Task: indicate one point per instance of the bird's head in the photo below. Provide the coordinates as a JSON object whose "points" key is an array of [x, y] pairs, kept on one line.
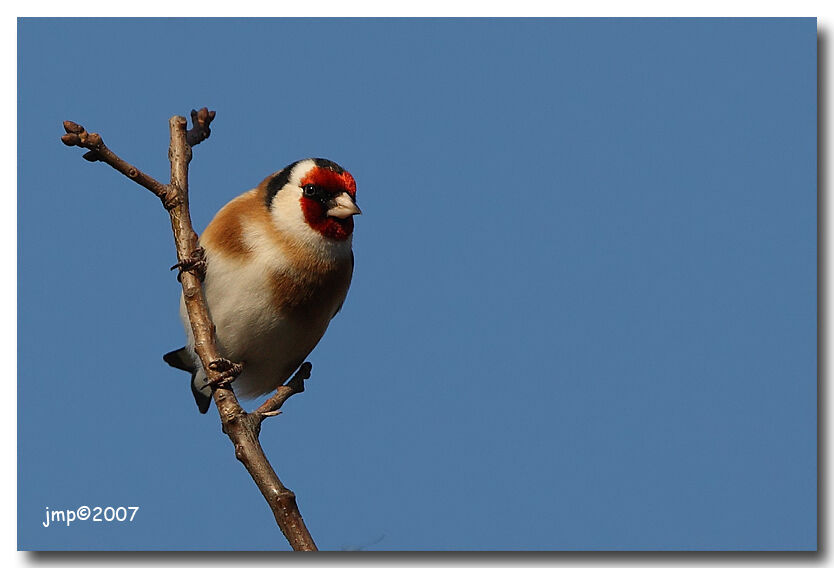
{"points": [[313, 198]]}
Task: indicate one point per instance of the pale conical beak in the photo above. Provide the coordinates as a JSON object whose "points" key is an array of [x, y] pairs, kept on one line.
{"points": [[343, 207]]}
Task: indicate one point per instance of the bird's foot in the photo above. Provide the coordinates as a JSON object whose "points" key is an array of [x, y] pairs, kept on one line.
{"points": [[228, 372], [196, 263]]}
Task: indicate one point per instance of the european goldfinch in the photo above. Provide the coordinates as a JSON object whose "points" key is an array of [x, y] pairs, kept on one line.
{"points": [[278, 266]]}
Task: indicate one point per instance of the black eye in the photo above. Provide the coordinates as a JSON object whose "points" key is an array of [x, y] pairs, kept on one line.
{"points": [[310, 190]]}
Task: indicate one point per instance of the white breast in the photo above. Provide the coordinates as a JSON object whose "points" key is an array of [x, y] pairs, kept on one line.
{"points": [[250, 329]]}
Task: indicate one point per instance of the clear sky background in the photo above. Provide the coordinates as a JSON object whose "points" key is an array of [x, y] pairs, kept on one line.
{"points": [[583, 315]]}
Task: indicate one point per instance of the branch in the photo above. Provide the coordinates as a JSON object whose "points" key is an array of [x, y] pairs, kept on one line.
{"points": [[77, 136], [241, 427], [200, 120], [294, 386]]}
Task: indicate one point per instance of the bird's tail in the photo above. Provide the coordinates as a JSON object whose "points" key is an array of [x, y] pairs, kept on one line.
{"points": [[201, 391], [181, 359]]}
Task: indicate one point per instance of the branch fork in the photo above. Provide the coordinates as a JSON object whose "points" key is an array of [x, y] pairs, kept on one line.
{"points": [[241, 427]]}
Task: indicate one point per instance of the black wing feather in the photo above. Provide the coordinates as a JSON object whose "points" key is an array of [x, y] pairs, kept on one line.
{"points": [[179, 359]]}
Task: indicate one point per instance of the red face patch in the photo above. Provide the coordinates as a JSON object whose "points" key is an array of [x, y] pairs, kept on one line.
{"points": [[315, 212], [331, 181]]}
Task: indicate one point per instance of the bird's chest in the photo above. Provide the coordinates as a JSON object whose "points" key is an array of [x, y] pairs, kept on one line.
{"points": [[260, 309]]}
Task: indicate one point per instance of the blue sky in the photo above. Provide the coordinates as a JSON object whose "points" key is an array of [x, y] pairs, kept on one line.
{"points": [[584, 309]]}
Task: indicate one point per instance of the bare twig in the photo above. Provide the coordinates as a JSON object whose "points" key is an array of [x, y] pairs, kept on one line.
{"points": [[241, 427], [77, 136], [200, 120], [294, 386]]}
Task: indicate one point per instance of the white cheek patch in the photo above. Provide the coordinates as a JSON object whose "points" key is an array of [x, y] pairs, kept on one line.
{"points": [[286, 205], [300, 171], [288, 216]]}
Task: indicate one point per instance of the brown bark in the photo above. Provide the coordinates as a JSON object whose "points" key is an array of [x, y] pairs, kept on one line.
{"points": [[242, 428]]}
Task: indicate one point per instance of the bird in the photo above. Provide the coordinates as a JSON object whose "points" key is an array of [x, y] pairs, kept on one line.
{"points": [[278, 264]]}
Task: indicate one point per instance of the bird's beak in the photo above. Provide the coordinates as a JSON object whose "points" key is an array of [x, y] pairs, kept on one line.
{"points": [[342, 206]]}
